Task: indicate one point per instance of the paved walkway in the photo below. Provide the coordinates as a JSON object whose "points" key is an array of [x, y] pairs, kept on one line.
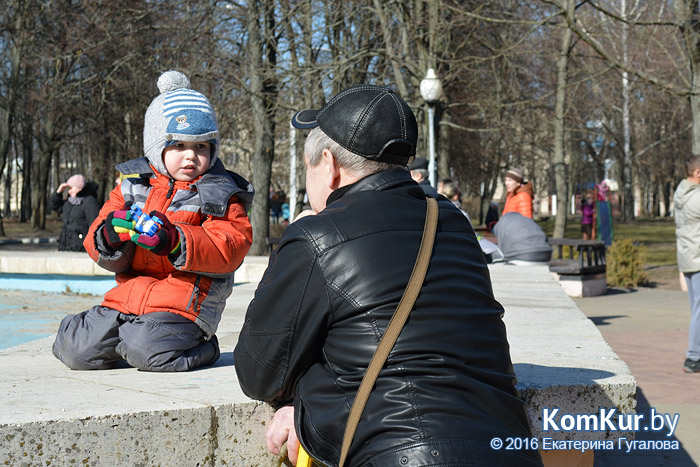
{"points": [[648, 329]]}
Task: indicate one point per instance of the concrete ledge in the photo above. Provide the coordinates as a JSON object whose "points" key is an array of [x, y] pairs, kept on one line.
{"points": [[76, 263], [55, 416], [582, 285]]}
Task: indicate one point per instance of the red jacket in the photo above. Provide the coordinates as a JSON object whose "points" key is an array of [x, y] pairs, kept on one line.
{"points": [[215, 236], [520, 201]]}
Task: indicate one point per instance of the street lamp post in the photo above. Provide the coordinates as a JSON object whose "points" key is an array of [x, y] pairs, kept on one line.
{"points": [[431, 91]]}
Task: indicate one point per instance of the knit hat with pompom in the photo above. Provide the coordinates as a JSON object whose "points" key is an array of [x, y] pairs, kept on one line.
{"points": [[178, 114]]}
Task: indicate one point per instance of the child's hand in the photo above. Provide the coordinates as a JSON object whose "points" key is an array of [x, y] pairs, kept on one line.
{"points": [[164, 242], [118, 228]]}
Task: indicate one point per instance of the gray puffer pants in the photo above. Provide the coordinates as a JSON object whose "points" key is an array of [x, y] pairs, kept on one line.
{"points": [[100, 337]]}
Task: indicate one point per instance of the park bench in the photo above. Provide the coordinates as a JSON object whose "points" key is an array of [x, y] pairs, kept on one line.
{"points": [[582, 273]]}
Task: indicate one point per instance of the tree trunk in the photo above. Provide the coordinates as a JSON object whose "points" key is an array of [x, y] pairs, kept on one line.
{"points": [[39, 194], [263, 91], [695, 104], [559, 163], [7, 212], [27, 139]]}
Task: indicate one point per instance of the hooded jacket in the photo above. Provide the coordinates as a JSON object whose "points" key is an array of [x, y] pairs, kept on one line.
{"points": [[520, 200], [210, 215], [326, 299], [520, 238], [686, 200]]}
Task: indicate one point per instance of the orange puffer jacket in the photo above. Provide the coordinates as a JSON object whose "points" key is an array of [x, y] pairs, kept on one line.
{"points": [[210, 215], [520, 201]]}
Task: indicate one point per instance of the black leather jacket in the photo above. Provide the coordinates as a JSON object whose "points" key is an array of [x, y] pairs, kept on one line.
{"points": [[322, 306]]}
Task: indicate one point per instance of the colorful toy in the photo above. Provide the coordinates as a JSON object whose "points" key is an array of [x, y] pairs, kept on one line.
{"points": [[145, 224]]}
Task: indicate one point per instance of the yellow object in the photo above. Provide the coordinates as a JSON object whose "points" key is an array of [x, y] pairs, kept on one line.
{"points": [[304, 460]]}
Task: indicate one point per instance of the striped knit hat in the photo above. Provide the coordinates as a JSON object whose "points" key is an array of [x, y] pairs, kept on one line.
{"points": [[178, 114], [515, 174]]}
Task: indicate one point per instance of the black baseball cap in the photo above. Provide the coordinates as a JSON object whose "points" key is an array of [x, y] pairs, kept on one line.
{"points": [[367, 120], [419, 163]]}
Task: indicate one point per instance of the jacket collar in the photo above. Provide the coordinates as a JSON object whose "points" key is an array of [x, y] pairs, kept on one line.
{"points": [[376, 182]]}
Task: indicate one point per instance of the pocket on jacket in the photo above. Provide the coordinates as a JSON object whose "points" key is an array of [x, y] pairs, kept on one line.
{"points": [[173, 292]]}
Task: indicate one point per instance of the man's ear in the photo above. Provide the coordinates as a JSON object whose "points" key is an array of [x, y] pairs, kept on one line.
{"points": [[333, 169]]}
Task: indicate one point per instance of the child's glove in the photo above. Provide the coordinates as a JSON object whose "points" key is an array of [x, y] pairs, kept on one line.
{"points": [[118, 228], [164, 242]]}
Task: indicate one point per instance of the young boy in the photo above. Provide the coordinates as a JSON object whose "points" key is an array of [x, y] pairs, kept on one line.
{"points": [[172, 285]]}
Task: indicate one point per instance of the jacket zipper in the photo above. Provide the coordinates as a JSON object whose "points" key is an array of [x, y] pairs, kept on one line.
{"points": [[195, 295], [171, 186]]}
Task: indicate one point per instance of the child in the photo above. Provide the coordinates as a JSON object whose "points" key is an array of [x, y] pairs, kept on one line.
{"points": [[171, 286], [587, 213]]}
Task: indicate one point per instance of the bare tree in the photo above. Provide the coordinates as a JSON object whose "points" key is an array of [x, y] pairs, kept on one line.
{"points": [[262, 59]]}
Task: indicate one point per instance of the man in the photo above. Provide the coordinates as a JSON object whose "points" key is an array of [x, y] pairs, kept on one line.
{"points": [[419, 173], [332, 286], [686, 200]]}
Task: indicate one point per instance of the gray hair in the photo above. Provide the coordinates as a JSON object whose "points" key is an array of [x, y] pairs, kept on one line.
{"points": [[424, 175], [355, 164]]}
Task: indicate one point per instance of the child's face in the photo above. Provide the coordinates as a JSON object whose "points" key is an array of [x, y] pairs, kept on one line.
{"points": [[187, 160]]}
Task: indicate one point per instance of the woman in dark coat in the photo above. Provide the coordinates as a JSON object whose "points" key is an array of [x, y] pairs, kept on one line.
{"points": [[78, 211]]}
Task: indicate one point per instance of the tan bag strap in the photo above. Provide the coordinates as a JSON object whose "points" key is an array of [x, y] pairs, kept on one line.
{"points": [[394, 328]]}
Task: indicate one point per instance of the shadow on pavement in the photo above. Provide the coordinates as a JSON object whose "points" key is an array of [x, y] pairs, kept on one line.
{"points": [[617, 291], [603, 320], [647, 457]]}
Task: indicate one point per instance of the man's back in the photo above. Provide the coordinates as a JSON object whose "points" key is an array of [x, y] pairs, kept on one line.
{"points": [[449, 377], [686, 200]]}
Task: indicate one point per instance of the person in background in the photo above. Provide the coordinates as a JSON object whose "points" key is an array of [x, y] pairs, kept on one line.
{"points": [[276, 200], [491, 216], [442, 183], [587, 214], [419, 173], [451, 192], [332, 286], [172, 280], [78, 210], [521, 240], [686, 200], [519, 197]]}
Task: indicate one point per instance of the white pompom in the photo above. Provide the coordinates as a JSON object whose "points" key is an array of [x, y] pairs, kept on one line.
{"points": [[172, 80]]}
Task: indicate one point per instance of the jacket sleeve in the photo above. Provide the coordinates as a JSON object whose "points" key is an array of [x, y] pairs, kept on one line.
{"points": [[219, 245], [56, 202], [285, 325], [112, 260]]}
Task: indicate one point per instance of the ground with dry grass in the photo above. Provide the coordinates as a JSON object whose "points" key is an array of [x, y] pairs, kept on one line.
{"points": [[16, 230]]}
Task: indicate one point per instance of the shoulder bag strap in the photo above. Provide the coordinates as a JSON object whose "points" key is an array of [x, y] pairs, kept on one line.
{"points": [[394, 328]]}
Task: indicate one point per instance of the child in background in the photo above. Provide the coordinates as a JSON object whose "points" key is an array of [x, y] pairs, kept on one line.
{"points": [[587, 211], [172, 285]]}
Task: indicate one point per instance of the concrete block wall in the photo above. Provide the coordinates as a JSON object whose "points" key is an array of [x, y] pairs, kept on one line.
{"points": [[55, 416]]}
